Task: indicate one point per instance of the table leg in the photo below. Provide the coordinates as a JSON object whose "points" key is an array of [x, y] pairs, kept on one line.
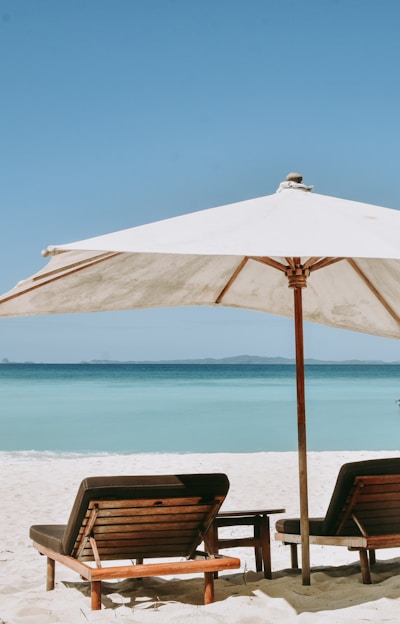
{"points": [[258, 549], [265, 545]]}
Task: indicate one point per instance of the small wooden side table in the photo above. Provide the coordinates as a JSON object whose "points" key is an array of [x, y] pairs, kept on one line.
{"points": [[260, 541]]}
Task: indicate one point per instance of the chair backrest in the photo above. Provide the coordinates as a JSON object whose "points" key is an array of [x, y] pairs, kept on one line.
{"points": [[133, 517], [370, 491]]}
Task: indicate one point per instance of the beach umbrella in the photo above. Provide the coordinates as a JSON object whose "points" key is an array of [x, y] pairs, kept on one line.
{"points": [[293, 253]]}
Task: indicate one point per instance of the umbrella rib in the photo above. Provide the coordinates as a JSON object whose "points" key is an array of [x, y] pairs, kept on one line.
{"points": [[232, 279], [271, 262], [321, 263], [291, 263], [311, 262], [81, 263], [60, 273], [374, 290]]}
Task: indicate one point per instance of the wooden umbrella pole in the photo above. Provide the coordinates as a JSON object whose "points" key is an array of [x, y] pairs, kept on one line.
{"points": [[297, 281], [301, 432]]}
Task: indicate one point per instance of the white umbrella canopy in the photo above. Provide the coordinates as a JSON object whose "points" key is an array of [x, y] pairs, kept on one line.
{"points": [[244, 255], [229, 256]]}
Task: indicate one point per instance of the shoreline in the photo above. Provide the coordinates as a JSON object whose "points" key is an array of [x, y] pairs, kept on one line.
{"points": [[41, 487]]}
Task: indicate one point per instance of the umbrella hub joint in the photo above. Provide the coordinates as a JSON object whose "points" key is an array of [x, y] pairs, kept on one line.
{"points": [[297, 277]]}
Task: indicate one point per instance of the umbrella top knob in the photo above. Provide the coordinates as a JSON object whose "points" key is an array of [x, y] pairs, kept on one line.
{"points": [[293, 180], [294, 177]]}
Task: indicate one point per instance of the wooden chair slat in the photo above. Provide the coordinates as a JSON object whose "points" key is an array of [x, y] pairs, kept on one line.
{"points": [[151, 502], [378, 479], [380, 487], [163, 550], [378, 497], [121, 535], [387, 503], [148, 511], [148, 535], [131, 542], [138, 518], [156, 526], [163, 521]]}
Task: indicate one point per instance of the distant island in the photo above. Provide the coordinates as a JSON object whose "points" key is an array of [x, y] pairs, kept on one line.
{"points": [[246, 359], [238, 360]]}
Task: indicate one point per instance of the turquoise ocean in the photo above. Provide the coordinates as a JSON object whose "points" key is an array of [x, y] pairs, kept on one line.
{"points": [[136, 408]]}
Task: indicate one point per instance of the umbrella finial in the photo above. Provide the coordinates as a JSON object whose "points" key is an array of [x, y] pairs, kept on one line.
{"points": [[294, 177], [294, 180]]}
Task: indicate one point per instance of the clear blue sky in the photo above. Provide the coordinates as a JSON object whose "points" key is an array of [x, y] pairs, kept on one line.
{"points": [[120, 112]]}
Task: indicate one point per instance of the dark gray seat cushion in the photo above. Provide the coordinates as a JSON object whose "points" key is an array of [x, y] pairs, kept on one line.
{"points": [[292, 526], [49, 536]]}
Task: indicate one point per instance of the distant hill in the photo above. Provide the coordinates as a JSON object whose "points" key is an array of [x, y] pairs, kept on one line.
{"points": [[234, 360], [247, 359]]}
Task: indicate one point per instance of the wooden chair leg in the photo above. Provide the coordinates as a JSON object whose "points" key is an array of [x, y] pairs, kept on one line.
{"points": [[372, 557], [208, 587], [95, 590], [293, 557], [365, 570], [51, 565]]}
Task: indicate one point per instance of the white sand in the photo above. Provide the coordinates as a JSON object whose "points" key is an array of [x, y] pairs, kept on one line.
{"points": [[38, 489]]}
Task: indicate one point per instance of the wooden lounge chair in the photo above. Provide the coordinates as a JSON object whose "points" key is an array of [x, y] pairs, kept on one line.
{"points": [[136, 518], [363, 514]]}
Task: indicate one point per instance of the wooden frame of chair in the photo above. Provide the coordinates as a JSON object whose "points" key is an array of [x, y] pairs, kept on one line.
{"points": [[204, 563]]}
